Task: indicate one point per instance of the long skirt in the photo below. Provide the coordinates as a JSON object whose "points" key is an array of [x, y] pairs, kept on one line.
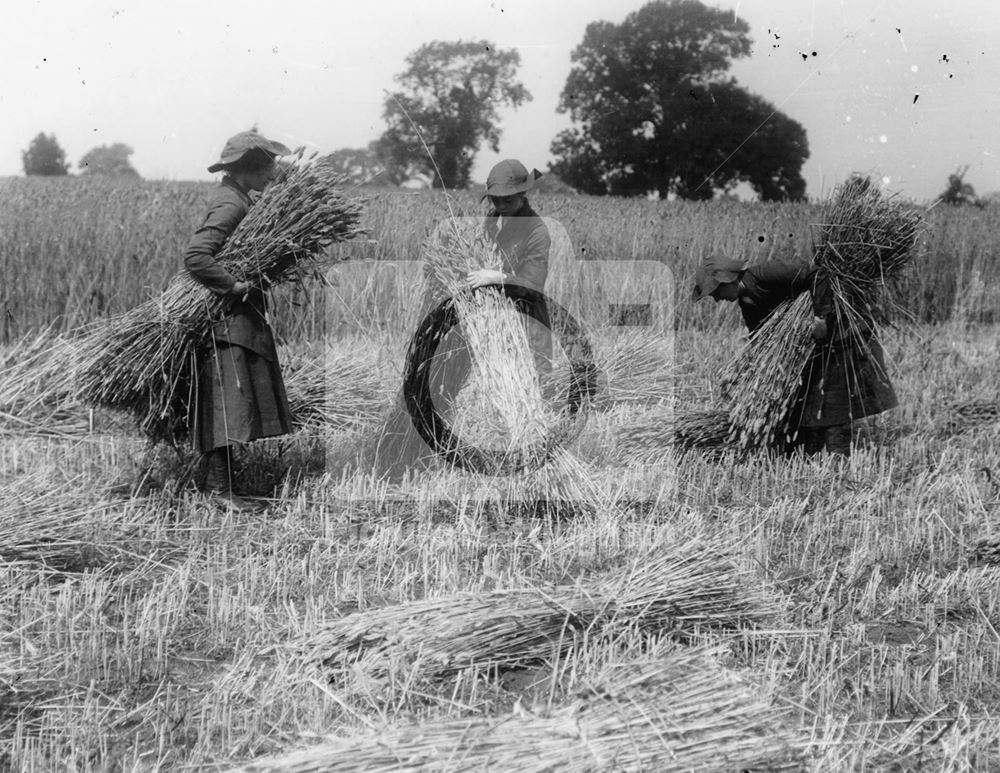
{"points": [[240, 397], [844, 383]]}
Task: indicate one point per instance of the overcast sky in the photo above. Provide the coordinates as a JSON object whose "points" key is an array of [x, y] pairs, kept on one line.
{"points": [[908, 90]]}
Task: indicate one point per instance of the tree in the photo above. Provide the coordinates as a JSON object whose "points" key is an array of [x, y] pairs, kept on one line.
{"points": [[449, 96], [655, 111], [44, 157], [360, 165], [958, 191], [109, 160]]}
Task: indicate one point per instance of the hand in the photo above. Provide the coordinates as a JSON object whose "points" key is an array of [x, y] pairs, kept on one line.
{"points": [[484, 276], [819, 330], [240, 290]]}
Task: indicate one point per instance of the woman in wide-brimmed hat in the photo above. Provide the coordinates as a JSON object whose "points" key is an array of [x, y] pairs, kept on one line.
{"points": [[517, 230], [845, 378], [240, 393], [523, 241]]}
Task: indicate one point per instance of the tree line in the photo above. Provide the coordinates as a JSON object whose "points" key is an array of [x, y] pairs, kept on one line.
{"points": [[652, 107], [44, 156]]}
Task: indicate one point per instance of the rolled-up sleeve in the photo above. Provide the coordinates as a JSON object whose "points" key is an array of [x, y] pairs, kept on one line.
{"points": [[199, 257], [533, 269]]}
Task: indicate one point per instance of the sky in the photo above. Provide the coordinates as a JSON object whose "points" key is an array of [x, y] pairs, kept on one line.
{"points": [[906, 90]]}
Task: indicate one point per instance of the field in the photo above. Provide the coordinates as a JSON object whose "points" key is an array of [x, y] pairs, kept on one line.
{"points": [[630, 606]]}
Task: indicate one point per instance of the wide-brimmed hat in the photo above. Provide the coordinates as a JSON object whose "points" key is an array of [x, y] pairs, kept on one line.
{"points": [[240, 144], [713, 271], [508, 177]]}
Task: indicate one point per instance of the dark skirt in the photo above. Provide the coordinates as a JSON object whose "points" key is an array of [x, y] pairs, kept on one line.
{"points": [[240, 397], [842, 383]]}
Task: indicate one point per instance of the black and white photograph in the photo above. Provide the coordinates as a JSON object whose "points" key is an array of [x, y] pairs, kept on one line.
{"points": [[495, 385]]}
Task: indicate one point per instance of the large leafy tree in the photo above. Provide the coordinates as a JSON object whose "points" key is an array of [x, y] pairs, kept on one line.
{"points": [[448, 99], [108, 160], [44, 156], [654, 110]]}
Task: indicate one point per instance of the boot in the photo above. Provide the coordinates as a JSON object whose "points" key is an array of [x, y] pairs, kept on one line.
{"points": [[219, 470], [838, 439], [219, 481]]}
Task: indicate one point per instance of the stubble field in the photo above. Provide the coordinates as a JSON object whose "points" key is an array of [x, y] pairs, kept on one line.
{"points": [[631, 606]]}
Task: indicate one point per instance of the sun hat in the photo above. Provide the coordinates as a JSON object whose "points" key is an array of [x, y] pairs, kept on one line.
{"points": [[240, 144], [508, 177], [713, 271]]}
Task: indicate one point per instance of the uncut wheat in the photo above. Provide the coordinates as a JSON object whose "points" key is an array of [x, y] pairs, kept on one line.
{"points": [[144, 361]]}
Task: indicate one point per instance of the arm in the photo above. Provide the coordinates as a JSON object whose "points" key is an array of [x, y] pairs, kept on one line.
{"points": [[199, 257], [784, 281], [534, 267]]}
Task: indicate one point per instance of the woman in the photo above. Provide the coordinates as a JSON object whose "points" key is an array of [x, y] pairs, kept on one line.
{"points": [[240, 393], [845, 379], [523, 241], [517, 230]]}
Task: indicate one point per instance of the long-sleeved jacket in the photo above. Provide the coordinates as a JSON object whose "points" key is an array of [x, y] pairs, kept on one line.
{"points": [[765, 286], [846, 377], [245, 322]]}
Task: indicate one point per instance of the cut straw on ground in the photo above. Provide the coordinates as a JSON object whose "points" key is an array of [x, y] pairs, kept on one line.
{"points": [[678, 713], [691, 585]]}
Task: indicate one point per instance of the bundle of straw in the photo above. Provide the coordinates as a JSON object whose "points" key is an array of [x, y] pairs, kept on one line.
{"points": [[763, 382], [333, 391], [702, 429], [503, 424], [638, 368], [968, 415], [457, 246], [69, 529], [35, 395], [864, 243], [689, 586], [653, 434], [143, 361], [21, 689], [680, 712]]}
